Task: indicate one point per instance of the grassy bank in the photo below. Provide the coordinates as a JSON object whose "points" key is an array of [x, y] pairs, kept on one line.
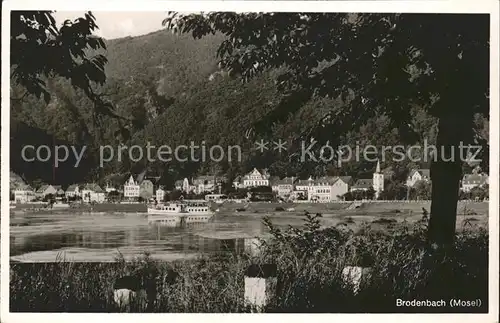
{"points": [[309, 260]]}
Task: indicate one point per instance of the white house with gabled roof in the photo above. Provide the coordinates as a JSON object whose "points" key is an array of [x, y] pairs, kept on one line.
{"points": [[93, 193], [256, 178], [131, 189], [417, 175]]}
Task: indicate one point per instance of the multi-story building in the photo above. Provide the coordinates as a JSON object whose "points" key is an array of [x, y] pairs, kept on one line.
{"points": [[131, 189], [283, 187], [24, 194], [329, 188], [471, 181], [160, 194], [324, 189], [256, 178], [93, 193], [72, 191]]}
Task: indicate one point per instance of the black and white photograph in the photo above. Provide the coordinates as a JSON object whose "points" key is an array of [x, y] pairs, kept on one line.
{"points": [[250, 161]]}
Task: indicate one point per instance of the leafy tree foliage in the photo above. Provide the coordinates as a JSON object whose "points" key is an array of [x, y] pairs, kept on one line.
{"points": [[373, 64], [393, 190], [421, 191], [477, 193], [358, 195], [40, 49]]}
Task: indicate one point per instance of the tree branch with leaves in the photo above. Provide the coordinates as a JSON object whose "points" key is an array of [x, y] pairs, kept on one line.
{"points": [[373, 64]]}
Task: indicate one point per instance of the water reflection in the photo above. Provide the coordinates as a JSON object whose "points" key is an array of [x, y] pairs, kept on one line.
{"points": [[106, 233]]}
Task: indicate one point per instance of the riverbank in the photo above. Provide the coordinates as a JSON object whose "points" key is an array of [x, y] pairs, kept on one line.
{"points": [[404, 207], [309, 261], [98, 236], [99, 207]]}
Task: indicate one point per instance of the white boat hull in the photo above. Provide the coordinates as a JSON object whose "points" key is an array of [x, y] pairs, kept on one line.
{"points": [[179, 220], [179, 214]]}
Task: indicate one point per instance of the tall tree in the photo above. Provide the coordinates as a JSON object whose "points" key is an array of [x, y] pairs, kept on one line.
{"points": [[39, 49], [376, 64]]}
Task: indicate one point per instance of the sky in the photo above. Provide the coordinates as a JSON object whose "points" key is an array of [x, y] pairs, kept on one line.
{"points": [[119, 24]]}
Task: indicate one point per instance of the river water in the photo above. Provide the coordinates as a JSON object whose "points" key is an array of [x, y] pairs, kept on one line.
{"points": [[102, 237]]}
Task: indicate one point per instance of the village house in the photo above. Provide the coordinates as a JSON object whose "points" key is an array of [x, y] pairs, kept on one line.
{"points": [[471, 181], [45, 190], [305, 186], [131, 189], [283, 187], [324, 189], [72, 191], [93, 193], [341, 187], [24, 194], [329, 188], [160, 194], [418, 175], [256, 178]]}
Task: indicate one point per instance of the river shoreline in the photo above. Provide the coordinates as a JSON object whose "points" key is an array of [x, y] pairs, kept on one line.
{"points": [[100, 236]]}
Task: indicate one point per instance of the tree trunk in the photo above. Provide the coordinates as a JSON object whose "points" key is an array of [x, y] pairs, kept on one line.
{"points": [[446, 172]]}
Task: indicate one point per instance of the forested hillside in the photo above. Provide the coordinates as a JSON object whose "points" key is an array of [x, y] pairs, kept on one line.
{"points": [[167, 90]]}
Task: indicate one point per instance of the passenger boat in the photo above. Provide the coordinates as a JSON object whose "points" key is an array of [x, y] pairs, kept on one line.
{"points": [[185, 207], [181, 212]]}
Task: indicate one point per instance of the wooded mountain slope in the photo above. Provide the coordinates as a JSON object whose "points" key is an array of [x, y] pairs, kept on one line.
{"points": [[171, 92]]}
